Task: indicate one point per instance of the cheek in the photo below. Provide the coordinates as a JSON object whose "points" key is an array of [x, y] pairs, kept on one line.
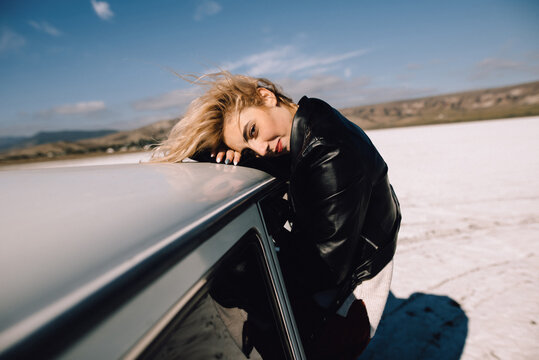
{"points": [[277, 123], [231, 139], [236, 147], [271, 128]]}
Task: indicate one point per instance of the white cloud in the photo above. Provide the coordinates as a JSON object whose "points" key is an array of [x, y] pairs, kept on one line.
{"points": [[495, 67], [138, 121], [333, 89], [405, 77], [414, 66], [207, 8], [493, 63], [286, 60], [341, 92], [173, 99], [9, 40], [45, 27], [102, 9], [77, 108]]}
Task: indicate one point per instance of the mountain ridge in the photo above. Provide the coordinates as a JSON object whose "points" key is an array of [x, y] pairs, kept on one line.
{"points": [[485, 104], [494, 103], [44, 137]]}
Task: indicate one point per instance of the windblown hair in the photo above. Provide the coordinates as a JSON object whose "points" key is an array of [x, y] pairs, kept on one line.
{"points": [[201, 128]]}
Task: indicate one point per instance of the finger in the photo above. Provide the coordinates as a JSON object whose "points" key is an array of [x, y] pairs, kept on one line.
{"points": [[237, 157], [229, 156], [220, 155]]}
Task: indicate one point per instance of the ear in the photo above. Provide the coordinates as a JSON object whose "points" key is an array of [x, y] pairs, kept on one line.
{"points": [[269, 98]]}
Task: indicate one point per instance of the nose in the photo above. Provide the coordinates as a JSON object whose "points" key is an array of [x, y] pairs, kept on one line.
{"points": [[261, 148]]}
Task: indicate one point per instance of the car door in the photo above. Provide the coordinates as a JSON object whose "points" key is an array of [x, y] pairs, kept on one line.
{"points": [[234, 303]]}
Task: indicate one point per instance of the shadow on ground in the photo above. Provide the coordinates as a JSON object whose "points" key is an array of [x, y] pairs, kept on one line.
{"points": [[421, 327]]}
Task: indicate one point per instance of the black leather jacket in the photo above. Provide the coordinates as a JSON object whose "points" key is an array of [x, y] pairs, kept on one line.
{"points": [[346, 215]]}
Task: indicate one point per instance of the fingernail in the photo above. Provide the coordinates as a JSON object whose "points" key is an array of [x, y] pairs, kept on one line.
{"points": [[227, 161], [235, 163], [212, 155], [218, 160]]}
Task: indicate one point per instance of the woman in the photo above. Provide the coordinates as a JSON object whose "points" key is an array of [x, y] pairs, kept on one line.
{"points": [[345, 215]]}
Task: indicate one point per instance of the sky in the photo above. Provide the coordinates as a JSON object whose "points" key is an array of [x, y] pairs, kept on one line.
{"points": [[89, 64]]}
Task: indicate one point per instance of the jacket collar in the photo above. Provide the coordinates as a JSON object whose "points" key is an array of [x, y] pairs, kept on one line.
{"points": [[300, 130]]}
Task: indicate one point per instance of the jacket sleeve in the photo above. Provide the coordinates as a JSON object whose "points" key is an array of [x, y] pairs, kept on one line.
{"points": [[334, 193]]}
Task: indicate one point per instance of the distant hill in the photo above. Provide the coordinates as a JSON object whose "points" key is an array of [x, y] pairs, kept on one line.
{"points": [[496, 103], [45, 137], [9, 142], [123, 141]]}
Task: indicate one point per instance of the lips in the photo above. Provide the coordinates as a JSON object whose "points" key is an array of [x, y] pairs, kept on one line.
{"points": [[279, 147]]}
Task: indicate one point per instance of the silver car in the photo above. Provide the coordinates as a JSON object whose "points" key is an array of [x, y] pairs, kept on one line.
{"points": [[142, 261]]}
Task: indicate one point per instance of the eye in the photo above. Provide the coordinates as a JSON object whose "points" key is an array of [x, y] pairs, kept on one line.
{"points": [[252, 131]]}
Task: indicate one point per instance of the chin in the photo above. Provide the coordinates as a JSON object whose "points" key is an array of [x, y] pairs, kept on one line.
{"points": [[283, 152]]}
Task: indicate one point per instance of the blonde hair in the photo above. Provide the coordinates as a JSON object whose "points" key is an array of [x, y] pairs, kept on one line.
{"points": [[201, 128]]}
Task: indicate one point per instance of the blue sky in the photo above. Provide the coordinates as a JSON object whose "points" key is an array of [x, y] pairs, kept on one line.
{"points": [[89, 64]]}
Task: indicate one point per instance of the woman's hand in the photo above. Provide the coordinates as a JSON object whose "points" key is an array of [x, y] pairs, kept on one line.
{"points": [[227, 156]]}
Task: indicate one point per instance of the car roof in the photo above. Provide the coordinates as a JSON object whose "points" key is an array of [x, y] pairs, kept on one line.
{"points": [[68, 233]]}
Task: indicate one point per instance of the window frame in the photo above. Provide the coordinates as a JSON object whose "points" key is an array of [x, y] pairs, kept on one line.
{"points": [[252, 239]]}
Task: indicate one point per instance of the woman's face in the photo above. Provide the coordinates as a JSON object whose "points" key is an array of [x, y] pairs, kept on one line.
{"points": [[264, 129]]}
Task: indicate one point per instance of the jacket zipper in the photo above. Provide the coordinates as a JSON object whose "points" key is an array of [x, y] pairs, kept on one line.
{"points": [[370, 242]]}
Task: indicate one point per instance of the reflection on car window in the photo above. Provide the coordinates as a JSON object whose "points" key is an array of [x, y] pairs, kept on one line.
{"points": [[233, 317], [207, 333]]}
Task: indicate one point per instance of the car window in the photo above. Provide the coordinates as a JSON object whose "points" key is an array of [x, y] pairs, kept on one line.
{"points": [[234, 316]]}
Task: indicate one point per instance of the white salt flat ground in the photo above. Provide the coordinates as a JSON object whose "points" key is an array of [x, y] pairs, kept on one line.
{"points": [[469, 195], [466, 280]]}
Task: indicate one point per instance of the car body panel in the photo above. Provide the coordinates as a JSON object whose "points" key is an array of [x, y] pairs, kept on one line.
{"points": [[69, 234], [130, 324]]}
